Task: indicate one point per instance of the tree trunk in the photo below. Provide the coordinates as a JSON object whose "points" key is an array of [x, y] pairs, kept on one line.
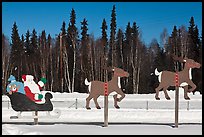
{"points": [[92, 62], [51, 70], [66, 62], [134, 81], [74, 67], [61, 54], [138, 77], [121, 53]]}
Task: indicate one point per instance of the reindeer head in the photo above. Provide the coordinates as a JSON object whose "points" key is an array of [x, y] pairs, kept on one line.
{"points": [[120, 72], [117, 71], [189, 63]]}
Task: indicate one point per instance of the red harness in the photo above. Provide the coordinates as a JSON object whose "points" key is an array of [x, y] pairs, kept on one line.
{"points": [[176, 79], [106, 88]]}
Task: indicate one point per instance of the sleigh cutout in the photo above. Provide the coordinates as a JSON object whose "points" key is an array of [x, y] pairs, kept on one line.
{"points": [[21, 103]]}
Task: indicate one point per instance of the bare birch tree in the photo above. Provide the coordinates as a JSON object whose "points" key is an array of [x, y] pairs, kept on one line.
{"points": [[5, 62]]}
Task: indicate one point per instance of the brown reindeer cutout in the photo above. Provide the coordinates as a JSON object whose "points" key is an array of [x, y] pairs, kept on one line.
{"points": [[167, 78], [96, 88]]}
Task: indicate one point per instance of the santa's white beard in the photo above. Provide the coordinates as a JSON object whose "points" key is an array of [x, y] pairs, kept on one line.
{"points": [[33, 86]]}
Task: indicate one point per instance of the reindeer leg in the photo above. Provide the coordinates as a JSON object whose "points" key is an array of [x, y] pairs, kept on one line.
{"points": [[119, 91], [88, 101], [115, 101], [186, 92], [157, 92], [192, 85], [96, 103], [166, 94]]}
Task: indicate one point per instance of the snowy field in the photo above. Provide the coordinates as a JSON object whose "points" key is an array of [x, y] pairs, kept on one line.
{"points": [[139, 115]]}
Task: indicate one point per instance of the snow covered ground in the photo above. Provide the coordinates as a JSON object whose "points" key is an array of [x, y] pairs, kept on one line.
{"points": [[139, 115], [92, 129]]}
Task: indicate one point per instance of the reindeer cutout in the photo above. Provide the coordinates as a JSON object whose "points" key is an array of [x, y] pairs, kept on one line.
{"points": [[167, 78], [96, 88]]}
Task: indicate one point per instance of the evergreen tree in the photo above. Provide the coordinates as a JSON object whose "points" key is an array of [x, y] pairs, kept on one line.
{"points": [[34, 43], [62, 48], [85, 46], [50, 78], [120, 54], [112, 56], [192, 40], [192, 26], [119, 48], [27, 51], [136, 57], [84, 29], [127, 57], [27, 42], [128, 38], [23, 56], [63, 29], [35, 55], [175, 48], [43, 54], [174, 37], [104, 41], [194, 45], [104, 38], [72, 29], [16, 51], [136, 41], [72, 36], [85, 62], [148, 81], [197, 43]]}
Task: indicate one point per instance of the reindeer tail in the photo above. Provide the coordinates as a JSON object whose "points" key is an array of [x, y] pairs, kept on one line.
{"points": [[86, 82], [157, 73]]}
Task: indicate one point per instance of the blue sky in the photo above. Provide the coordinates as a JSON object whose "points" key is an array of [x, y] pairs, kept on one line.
{"points": [[151, 17]]}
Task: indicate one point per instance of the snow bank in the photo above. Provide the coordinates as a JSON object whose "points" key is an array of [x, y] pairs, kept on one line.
{"points": [[131, 101]]}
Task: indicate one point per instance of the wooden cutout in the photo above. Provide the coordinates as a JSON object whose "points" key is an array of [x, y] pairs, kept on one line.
{"points": [[96, 88], [167, 78]]}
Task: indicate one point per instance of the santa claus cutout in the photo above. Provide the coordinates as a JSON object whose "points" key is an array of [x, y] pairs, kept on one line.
{"points": [[32, 89]]}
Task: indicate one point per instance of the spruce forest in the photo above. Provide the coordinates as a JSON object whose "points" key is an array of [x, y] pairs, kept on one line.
{"points": [[74, 55]]}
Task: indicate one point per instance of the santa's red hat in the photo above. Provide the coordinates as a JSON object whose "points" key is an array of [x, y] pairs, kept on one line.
{"points": [[27, 77], [24, 77]]}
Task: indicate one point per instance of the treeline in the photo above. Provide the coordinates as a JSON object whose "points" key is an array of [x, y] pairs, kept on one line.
{"points": [[65, 61]]}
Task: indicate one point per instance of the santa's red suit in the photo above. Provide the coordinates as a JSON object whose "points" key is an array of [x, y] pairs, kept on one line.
{"points": [[32, 90]]}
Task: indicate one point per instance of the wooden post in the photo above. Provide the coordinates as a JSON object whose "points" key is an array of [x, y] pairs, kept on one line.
{"points": [[176, 100], [188, 105], [106, 104], [76, 104], [147, 105], [36, 118]]}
